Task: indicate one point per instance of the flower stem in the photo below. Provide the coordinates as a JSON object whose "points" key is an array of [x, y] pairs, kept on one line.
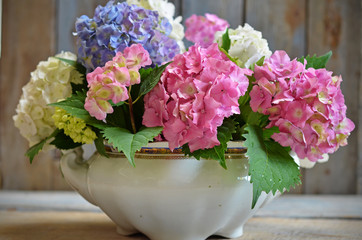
{"points": [[130, 105], [136, 99]]}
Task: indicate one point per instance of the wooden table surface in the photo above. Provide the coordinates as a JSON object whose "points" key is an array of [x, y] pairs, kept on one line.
{"points": [[67, 216]]}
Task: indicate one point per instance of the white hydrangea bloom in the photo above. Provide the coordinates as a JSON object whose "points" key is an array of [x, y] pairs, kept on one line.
{"points": [[167, 10], [305, 162], [247, 45], [49, 83]]}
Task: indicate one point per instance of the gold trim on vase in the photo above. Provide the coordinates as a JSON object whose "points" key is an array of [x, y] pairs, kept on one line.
{"points": [[166, 153]]}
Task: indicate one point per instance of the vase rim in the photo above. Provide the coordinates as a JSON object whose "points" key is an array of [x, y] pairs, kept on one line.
{"points": [[164, 144], [234, 147]]}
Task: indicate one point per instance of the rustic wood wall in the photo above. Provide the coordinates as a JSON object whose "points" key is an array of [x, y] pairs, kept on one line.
{"points": [[34, 30], [28, 37]]}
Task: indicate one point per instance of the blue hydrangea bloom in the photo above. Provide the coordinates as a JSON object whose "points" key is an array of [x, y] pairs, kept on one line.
{"points": [[117, 26]]}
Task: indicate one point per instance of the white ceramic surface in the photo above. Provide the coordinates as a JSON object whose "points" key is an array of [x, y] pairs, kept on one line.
{"points": [[167, 199]]}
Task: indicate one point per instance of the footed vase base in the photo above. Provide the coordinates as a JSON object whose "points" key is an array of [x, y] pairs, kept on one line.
{"points": [[228, 235]]}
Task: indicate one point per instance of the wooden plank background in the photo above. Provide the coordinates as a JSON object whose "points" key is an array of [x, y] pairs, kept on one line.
{"points": [[28, 37], [1, 4], [334, 25], [40, 28]]}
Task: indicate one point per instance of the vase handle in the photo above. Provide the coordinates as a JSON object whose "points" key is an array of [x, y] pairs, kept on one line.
{"points": [[74, 170]]}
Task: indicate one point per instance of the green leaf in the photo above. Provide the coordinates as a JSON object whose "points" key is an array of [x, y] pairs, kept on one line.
{"points": [[116, 104], [253, 118], [64, 142], [224, 134], [80, 68], [234, 60], [129, 143], [34, 150], [74, 105], [316, 62], [226, 42], [268, 132], [243, 100], [119, 117], [259, 63], [239, 130], [100, 144], [270, 166], [96, 123], [144, 72], [151, 78], [68, 61]]}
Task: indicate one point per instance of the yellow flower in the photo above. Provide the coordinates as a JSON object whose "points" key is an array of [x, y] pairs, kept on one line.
{"points": [[73, 127]]}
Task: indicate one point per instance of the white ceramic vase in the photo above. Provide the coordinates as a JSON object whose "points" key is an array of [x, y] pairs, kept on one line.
{"points": [[167, 195]]}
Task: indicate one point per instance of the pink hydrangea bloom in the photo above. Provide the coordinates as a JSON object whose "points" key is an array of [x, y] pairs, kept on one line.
{"points": [[196, 92], [201, 30], [306, 104], [102, 88], [136, 57], [111, 81]]}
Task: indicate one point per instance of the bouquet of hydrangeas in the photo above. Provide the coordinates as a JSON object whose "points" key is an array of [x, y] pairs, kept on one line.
{"points": [[132, 82]]}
